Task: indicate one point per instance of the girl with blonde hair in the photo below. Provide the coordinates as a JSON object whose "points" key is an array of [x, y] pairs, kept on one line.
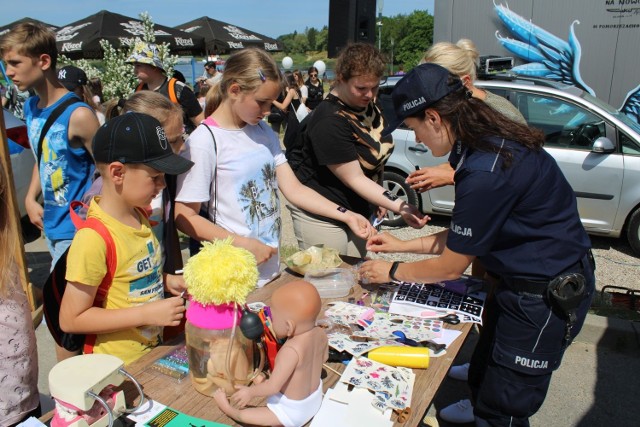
{"points": [[18, 352], [239, 168]]}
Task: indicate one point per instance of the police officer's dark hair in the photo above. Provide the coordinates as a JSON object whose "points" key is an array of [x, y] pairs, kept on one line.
{"points": [[471, 120]]}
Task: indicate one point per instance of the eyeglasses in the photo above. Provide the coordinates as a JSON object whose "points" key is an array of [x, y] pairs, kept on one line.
{"points": [[313, 75], [179, 139]]}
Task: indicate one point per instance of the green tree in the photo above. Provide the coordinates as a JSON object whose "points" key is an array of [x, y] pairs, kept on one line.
{"points": [[405, 38], [300, 43], [414, 38], [322, 39], [312, 38], [287, 41]]}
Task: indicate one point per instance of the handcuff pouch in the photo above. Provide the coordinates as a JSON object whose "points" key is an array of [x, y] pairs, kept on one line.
{"points": [[565, 294]]}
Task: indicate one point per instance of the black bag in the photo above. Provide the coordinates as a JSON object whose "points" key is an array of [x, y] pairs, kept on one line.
{"points": [[276, 115]]}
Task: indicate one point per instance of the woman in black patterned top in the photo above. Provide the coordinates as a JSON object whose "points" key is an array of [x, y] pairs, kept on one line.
{"points": [[344, 154]]}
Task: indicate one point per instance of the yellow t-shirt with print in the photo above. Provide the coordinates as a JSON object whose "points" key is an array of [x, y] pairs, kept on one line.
{"points": [[137, 279]]}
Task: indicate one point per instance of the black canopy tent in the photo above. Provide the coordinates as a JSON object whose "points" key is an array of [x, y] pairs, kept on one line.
{"points": [[81, 39], [221, 37], [5, 28]]}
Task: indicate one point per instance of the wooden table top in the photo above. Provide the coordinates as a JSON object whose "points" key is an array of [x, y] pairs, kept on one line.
{"points": [[183, 397]]}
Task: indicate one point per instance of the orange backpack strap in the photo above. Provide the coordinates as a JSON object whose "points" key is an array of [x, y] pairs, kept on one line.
{"points": [[111, 260], [172, 90], [139, 87]]}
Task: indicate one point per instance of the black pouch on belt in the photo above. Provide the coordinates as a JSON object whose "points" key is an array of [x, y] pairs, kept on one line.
{"points": [[565, 294]]}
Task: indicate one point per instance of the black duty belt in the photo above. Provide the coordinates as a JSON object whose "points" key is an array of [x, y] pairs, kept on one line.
{"points": [[539, 286]]}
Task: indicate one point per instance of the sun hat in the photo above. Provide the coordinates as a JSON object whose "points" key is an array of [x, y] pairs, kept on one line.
{"points": [[72, 77], [419, 89], [137, 138], [146, 53]]}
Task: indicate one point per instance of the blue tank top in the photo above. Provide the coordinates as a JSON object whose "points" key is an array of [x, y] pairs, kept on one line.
{"points": [[65, 172]]}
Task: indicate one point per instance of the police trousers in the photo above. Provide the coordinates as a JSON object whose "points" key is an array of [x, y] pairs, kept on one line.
{"points": [[521, 343]]}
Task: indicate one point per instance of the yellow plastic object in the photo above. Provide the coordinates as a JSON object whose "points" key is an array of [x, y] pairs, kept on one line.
{"points": [[396, 355]]}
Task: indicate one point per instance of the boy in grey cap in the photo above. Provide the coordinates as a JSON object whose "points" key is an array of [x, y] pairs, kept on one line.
{"points": [[150, 71]]}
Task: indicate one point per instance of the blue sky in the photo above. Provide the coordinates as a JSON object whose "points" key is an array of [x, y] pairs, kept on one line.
{"points": [[268, 17]]}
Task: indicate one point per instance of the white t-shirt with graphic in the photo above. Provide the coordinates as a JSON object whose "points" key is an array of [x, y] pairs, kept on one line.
{"points": [[247, 199]]}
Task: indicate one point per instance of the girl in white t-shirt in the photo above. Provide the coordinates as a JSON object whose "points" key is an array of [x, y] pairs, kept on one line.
{"points": [[239, 167]]}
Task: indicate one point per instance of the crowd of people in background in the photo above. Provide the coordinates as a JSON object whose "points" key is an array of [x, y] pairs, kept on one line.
{"points": [[204, 161]]}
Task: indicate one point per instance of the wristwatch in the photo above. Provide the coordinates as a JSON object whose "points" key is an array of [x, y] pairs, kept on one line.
{"points": [[392, 270]]}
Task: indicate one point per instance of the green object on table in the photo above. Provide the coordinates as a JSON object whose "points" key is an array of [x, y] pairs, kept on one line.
{"points": [[169, 417]]}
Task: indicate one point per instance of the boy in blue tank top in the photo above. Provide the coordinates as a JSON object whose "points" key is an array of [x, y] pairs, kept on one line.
{"points": [[66, 167]]}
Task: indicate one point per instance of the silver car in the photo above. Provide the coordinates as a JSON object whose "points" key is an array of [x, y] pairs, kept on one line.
{"points": [[597, 148], [22, 161]]}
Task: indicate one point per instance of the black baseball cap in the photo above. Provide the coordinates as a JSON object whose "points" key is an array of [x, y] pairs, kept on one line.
{"points": [[71, 77], [419, 89], [137, 138]]}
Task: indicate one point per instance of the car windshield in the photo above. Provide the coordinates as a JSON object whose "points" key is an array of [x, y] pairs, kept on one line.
{"points": [[609, 109]]}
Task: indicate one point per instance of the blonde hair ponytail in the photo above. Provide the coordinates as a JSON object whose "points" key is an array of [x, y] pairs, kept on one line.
{"points": [[249, 68], [461, 58]]}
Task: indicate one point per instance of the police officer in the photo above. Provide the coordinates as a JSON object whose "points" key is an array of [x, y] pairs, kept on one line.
{"points": [[517, 214]]}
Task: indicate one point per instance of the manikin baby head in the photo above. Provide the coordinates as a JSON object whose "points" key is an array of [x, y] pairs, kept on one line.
{"points": [[294, 308]]}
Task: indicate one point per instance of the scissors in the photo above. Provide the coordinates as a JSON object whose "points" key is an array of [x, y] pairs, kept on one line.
{"points": [[450, 318], [402, 339]]}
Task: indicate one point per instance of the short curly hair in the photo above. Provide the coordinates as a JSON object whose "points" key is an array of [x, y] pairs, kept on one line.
{"points": [[360, 59]]}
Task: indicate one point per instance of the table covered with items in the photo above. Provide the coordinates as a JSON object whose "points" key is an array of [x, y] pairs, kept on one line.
{"points": [[390, 348]]}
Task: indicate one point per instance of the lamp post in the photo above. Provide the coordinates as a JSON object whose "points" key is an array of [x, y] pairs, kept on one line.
{"points": [[391, 74], [380, 4]]}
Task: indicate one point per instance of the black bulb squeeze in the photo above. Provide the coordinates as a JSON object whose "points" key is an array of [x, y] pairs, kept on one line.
{"points": [[251, 325]]}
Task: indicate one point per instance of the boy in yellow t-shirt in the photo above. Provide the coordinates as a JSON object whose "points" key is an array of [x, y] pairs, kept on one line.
{"points": [[132, 154]]}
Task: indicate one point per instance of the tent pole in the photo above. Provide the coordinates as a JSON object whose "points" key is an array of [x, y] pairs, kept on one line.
{"points": [[193, 71]]}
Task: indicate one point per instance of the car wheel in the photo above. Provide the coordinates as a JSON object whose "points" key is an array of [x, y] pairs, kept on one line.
{"points": [[633, 231], [394, 182]]}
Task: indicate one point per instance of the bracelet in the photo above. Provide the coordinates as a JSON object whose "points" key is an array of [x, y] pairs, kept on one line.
{"points": [[342, 209], [389, 195], [392, 270]]}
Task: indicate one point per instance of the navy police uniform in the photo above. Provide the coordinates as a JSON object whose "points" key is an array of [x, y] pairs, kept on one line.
{"points": [[522, 223]]}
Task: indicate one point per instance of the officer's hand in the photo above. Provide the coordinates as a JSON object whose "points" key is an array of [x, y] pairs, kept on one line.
{"points": [[431, 177]]}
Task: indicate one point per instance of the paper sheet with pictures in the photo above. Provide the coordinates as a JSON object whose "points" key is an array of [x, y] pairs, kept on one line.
{"points": [[429, 296], [392, 387], [384, 325], [344, 313], [343, 342]]}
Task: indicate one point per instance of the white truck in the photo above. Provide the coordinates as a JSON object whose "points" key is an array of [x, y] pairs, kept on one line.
{"points": [[592, 44]]}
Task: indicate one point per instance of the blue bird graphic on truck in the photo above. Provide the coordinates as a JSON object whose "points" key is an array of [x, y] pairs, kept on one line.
{"points": [[548, 56]]}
